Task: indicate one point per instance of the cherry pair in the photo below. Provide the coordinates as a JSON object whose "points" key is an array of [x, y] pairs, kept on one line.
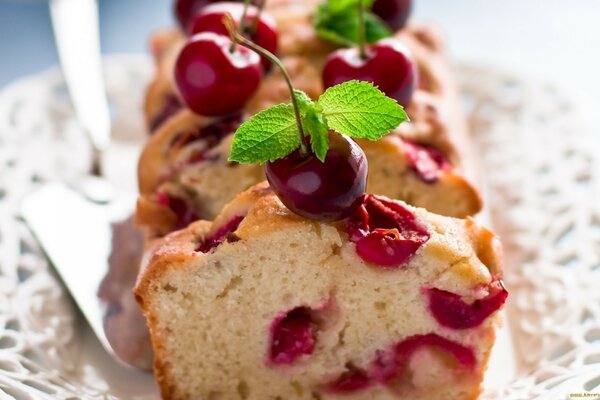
{"points": [[214, 76]]}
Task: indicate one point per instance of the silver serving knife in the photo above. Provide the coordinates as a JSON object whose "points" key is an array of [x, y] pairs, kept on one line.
{"points": [[77, 34], [75, 234], [73, 223]]}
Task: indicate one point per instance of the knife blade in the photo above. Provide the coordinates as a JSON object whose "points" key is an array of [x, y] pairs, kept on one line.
{"points": [[76, 31], [76, 236]]}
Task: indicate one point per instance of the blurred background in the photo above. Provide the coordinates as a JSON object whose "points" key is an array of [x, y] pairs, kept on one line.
{"points": [[558, 41]]}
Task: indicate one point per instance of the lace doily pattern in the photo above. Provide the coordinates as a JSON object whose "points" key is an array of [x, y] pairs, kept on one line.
{"points": [[535, 153], [536, 161]]}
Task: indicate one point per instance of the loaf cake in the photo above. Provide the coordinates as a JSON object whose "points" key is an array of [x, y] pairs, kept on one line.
{"points": [[184, 173], [392, 302]]}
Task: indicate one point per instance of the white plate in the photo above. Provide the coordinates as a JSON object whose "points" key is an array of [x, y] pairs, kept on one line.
{"points": [[538, 172]]}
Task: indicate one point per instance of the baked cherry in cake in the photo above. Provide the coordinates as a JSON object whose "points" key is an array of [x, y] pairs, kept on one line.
{"points": [[387, 64], [329, 190], [386, 233], [394, 13], [214, 77], [258, 26], [427, 162]]}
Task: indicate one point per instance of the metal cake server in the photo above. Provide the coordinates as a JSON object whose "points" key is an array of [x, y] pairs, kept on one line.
{"points": [[72, 222]]}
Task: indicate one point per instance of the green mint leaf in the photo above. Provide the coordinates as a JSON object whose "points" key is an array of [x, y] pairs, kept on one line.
{"points": [[314, 123], [304, 102], [337, 22], [267, 136], [340, 5], [360, 110]]}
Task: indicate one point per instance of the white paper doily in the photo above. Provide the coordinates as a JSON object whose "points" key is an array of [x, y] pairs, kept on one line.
{"points": [[536, 161]]}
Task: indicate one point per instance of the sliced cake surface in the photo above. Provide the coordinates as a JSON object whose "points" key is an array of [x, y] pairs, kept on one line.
{"points": [[393, 302]]}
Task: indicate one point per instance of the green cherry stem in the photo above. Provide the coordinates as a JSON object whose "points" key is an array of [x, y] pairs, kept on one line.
{"points": [[237, 38], [362, 36], [242, 26], [260, 8]]}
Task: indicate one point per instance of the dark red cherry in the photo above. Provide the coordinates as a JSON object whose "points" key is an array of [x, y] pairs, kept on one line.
{"points": [[427, 162], [385, 232], [182, 208], [388, 366], [326, 191], [185, 10], [221, 235], [212, 79], [210, 19], [352, 381], [389, 66], [292, 336], [394, 13], [171, 104], [452, 312]]}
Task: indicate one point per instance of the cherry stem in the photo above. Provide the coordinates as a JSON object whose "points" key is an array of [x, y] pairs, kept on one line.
{"points": [[260, 8], [236, 37], [362, 36], [241, 26]]}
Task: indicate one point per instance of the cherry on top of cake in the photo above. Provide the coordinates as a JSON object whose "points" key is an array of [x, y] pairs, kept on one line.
{"points": [[215, 76], [394, 13], [315, 169]]}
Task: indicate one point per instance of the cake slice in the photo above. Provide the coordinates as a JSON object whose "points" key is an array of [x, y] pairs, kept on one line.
{"points": [[393, 302]]}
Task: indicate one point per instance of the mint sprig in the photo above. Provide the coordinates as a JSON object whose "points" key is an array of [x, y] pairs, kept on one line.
{"points": [[269, 135], [354, 108], [338, 21]]}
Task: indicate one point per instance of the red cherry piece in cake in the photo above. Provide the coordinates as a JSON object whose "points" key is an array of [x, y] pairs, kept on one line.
{"points": [[351, 381], [389, 66], [462, 354], [171, 104], [209, 137], [326, 191], [210, 19], [181, 207], [389, 365], [452, 312], [385, 232], [394, 13], [427, 162], [220, 235], [292, 336], [214, 80]]}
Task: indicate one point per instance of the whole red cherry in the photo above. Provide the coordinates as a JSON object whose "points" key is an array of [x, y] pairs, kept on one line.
{"points": [[388, 65], [185, 10], [326, 191], [394, 13], [212, 78], [264, 33]]}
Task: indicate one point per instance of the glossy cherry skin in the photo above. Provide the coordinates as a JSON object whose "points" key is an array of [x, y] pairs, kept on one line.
{"points": [[389, 66], [211, 79], [210, 19], [394, 13], [185, 10], [326, 191]]}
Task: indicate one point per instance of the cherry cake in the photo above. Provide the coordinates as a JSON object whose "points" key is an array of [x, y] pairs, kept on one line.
{"points": [[184, 173], [391, 302]]}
